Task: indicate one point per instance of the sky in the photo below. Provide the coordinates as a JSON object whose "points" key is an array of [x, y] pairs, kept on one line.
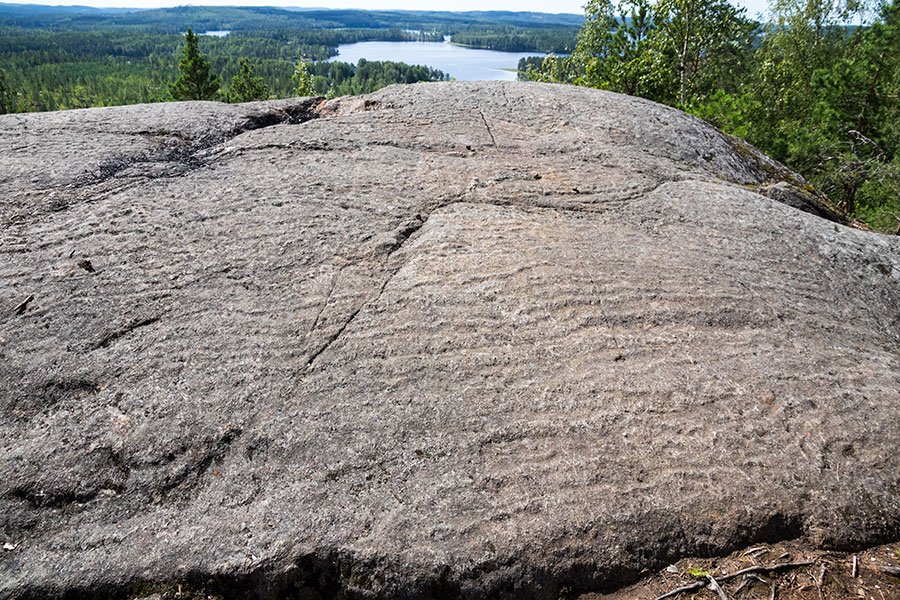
{"points": [[550, 6]]}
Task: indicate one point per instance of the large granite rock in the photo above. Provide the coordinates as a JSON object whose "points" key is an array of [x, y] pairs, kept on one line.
{"points": [[446, 340]]}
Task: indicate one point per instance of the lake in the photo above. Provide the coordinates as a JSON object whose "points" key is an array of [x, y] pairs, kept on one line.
{"points": [[464, 64]]}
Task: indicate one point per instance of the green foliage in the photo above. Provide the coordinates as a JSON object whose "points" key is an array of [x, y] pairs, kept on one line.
{"points": [[806, 89], [698, 573], [302, 80], [729, 112], [7, 96], [641, 68], [595, 54], [343, 79], [245, 87], [518, 39], [673, 51], [529, 63], [195, 81], [701, 34], [549, 69], [638, 62], [829, 103]]}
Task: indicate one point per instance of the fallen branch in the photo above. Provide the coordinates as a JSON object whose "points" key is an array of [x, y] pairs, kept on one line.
{"points": [[747, 571], [714, 586], [818, 584], [766, 569], [686, 588], [22, 306], [744, 582], [890, 571]]}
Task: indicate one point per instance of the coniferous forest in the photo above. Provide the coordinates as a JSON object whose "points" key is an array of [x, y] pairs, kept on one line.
{"points": [[54, 58], [46, 70]]}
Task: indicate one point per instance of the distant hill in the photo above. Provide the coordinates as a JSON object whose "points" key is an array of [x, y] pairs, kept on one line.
{"points": [[522, 19], [40, 9], [177, 19]]}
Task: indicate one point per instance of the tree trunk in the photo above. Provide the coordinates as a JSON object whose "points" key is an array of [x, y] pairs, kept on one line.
{"points": [[684, 52]]}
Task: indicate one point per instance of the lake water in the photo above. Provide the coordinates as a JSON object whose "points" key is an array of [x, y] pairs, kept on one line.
{"points": [[216, 33], [465, 64]]}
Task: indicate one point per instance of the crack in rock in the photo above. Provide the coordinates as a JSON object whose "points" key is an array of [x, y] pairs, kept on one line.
{"points": [[404, 235], [488, 127], [183, 157], [112, 336]]}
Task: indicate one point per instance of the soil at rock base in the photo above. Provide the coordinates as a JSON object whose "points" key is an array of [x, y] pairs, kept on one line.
{"points": [[829, 577]]}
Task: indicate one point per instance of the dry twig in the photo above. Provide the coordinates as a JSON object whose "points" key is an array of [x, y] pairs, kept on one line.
{"points": [[818, 585], [766, 569], [686, 588], [747, 571], [714, 586], [743, 584], [22, 306], [747, 579]]}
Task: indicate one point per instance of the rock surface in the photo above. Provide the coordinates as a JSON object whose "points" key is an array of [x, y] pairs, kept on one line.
{"points": [[446, 340]]}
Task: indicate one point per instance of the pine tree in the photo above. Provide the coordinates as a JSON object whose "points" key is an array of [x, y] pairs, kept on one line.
{"points": [[245, 87], [195, 81], [7, 98], [302, 80]]}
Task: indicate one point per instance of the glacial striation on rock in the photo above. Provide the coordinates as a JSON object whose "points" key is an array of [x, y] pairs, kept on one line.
{"points": [[445, 340]]}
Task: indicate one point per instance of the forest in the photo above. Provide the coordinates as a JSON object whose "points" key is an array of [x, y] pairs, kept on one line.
{"points": [[55, 58], [42, 70], [509, 38], [817, 86]]}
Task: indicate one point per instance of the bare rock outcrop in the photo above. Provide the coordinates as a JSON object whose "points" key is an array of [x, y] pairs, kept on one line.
{"points": [[446, 340]]}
